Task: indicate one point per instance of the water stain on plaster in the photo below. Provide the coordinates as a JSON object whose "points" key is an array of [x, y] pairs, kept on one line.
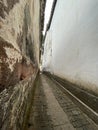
{"points": [[22, 36], [24, 39]]}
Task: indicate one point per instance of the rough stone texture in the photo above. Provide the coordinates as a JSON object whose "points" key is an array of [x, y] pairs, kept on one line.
{"points": [[19, 59], [19, 39], [15, 103], [6, 6]]}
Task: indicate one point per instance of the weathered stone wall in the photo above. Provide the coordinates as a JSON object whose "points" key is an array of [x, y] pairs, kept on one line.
{"points": [[19, 59], [15, 103], [19, 39]]}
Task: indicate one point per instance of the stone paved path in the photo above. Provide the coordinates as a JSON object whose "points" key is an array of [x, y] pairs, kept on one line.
{"points": [[53, 110]]}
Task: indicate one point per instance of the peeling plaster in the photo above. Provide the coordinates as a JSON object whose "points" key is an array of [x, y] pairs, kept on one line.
{"points": [[13, 56]]}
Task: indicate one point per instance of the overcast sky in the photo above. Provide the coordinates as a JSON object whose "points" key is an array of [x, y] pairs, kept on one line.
{"points": [[47, 13]]}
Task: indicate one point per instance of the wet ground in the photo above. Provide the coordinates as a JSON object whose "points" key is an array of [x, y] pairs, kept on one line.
{"points": [[54, 110]]}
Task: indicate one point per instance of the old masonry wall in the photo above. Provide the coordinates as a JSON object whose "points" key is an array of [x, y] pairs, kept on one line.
{"points": [[20, 34]]}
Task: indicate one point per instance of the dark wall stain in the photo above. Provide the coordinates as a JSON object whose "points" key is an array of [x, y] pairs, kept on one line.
{"points": [[3, 8], [42, 15], [24, 40], [21, 38], [27, 17], [30, 48]]}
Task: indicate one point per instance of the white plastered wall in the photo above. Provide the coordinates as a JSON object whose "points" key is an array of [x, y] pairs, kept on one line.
{"points": [[74, 42]]}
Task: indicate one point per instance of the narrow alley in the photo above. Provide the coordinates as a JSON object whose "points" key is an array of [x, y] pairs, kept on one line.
{"points": [[48, 64], [52, 109]]}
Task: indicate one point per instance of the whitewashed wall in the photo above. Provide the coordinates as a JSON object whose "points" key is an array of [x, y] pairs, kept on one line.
{"points": [[47, 52], [74, 42]]}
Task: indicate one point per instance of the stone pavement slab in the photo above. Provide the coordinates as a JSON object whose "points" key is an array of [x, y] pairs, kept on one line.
{"points": [[53, 110], [58, 116]]}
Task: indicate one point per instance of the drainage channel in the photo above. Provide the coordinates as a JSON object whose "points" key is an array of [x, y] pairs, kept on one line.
{"points": [[85, 107]]}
